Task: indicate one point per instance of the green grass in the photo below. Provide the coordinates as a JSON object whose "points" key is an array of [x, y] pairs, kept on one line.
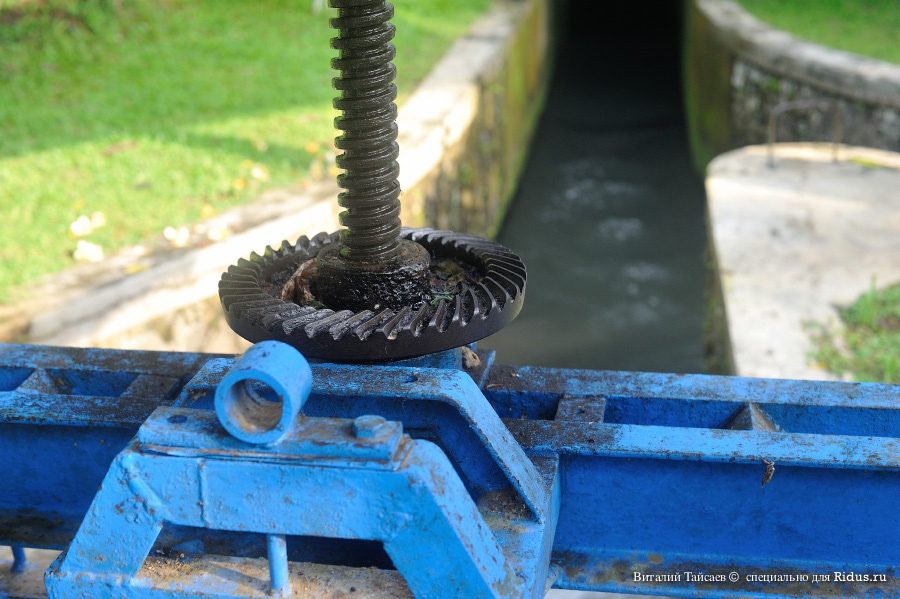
{"points": [[870, 346], [867, 27], [156, 112]]}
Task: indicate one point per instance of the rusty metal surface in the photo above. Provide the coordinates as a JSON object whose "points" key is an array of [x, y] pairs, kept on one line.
{"points": [[64, 415], [322, 480], [699, 401], [653, 472], [249, 576], [486, 301], [96, 387]]}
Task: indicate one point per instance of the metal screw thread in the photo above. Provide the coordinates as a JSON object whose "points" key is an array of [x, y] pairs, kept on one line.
{"points": [[369, 126]]}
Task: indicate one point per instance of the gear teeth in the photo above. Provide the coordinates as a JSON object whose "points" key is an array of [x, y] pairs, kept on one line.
{"points": [[248, 309], [393, 327], [500, 294], [316, 327], [457, 310], [437, 321], [479, 309], [346, 326], [478, 305], [320, 239], [507, 283], [418, 322], [491, 300], [274, 318], [235, 286], [363, 331], [234, 302], [300, 322]]}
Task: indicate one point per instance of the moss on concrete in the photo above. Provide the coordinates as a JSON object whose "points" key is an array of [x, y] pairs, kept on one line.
{"points": [[706, 75], [470, 190]]}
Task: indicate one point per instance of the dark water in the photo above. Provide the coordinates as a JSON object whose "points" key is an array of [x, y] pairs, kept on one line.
{"points": [[609, 216]]}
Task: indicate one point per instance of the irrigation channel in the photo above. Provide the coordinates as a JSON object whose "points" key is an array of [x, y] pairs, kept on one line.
{"points": [[609, 216]]}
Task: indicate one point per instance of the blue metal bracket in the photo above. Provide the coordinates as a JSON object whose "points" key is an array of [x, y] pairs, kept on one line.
{"points": [[253, 466], [322, 480], [627, 482]]}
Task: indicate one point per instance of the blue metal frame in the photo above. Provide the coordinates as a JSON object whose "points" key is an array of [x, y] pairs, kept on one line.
{"points": [[654, 476]]}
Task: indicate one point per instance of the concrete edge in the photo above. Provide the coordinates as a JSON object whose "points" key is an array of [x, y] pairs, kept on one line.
{"points": [[754, 325], [819, 152], [445, 103], [840, 72], [88, 303]]}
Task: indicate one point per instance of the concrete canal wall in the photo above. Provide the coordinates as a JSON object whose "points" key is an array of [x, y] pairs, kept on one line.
{"points": [[464, 138], [737, 68], [794, 243]]}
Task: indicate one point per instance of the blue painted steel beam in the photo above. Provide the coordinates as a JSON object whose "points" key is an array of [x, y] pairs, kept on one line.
{"points": [[650, 481], [699, 401], [64, 415], [662, 499], [658, 487]]}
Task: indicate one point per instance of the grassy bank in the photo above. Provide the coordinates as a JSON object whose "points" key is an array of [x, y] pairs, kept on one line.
{"points": [[869, 348], [867, 27], [119, 119]]}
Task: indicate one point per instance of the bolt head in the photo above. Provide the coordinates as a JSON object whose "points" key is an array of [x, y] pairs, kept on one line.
{"points": [[369, 427]]}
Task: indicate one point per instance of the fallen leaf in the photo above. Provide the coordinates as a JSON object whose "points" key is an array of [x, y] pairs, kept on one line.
{"points": [[135, 268], [260, 172], [86, 251], [217, 234], [98, 219], [81, 226], [178, 237]]}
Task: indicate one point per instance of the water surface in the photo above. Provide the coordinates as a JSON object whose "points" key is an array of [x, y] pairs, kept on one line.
{"points": [[609, 217]]}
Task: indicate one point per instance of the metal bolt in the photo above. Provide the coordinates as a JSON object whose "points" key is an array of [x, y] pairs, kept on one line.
{"points": [[278, 565], [371, 268], [370, 427], [19, 559]]}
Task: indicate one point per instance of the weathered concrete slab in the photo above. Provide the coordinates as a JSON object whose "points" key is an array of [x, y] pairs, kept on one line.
{"points": [[797, 240]]}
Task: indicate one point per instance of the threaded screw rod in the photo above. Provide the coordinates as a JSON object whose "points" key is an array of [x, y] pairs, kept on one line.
{"points": [[368, 122], [370, 268]]}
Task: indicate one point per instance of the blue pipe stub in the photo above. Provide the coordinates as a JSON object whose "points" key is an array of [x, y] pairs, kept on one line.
{"points": [[259, 399]]}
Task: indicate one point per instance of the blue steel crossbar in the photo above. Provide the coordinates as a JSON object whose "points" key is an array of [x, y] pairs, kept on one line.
{"points": [[682, 485]]}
